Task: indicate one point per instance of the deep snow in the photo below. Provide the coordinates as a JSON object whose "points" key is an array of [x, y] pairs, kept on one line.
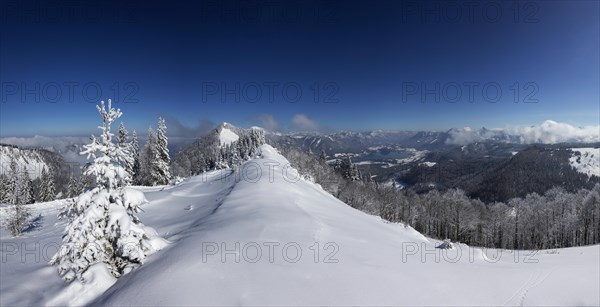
{"points": [[264, 206]]}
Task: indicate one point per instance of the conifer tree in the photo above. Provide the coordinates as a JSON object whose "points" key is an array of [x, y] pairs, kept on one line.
{"points": [[123, 142], [149, 162], [74, 187], [13, 183], [47, 189], [4, 184], [162, 165], [21, 190], [26, 188], [104, 229], [135, 153]]}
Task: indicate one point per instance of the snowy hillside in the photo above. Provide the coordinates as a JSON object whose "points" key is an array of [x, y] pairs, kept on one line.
{"points": [[226, 136], [260, 235], [586, 160], [30, 160]]}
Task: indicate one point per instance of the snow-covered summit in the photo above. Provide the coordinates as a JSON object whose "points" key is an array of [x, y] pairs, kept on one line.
{"points": [[226, 134], [226, 137]]}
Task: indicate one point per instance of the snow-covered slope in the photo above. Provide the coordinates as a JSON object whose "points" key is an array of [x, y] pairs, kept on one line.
{"points": [[259, 235], [226, 136], [26, 159], [586, 160]]}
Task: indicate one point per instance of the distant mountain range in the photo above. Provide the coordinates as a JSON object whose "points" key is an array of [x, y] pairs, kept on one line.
{"points": [[495, 165], [491, 164]]}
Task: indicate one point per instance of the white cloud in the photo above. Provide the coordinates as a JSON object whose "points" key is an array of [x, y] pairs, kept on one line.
{"points": [[549, 132], [302, 122], [266, 121], [67, 146]]}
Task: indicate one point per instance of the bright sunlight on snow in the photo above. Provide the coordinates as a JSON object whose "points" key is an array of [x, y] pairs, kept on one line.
{"points": [[261, 235]]}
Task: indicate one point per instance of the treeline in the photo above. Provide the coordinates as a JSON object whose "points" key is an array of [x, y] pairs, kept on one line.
{"points": [[498, 178], [18, 187], [552, 220], [207, 153]]}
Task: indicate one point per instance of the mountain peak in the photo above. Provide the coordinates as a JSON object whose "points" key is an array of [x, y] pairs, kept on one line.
{"points": [[224, 125], [227, 134]]}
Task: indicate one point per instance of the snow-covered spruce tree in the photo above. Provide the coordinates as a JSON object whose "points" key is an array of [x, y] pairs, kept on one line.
{"points": [[104, 230], [47, 189], [123, 142], [26, 188], [135, 153], [149, 161], [74, 186], [162, 165], [4, 194], [22, 195], [12, 184]]}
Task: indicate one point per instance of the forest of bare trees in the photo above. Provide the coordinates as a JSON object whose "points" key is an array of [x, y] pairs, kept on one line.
{"points": [[552, 220]]}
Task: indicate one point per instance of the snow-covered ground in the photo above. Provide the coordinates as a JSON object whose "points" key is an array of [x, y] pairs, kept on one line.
{"points": [[259, 235], [586, 160]]}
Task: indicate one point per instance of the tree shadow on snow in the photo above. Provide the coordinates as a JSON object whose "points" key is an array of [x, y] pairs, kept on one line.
{"points": [[34, 224]]}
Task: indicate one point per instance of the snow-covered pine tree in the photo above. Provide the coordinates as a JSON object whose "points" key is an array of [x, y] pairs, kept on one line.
{"points": [[22, 195], [4, 194], [13, 183], [123, 135], [135, 153], [104, 230], [73, 187], [123, 141], [26, 188], [42, 188], [47, 189], [149, 173], [162, 165]]}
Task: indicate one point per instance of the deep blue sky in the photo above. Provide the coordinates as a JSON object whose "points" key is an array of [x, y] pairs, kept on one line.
{"points": [[168, 55]]}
